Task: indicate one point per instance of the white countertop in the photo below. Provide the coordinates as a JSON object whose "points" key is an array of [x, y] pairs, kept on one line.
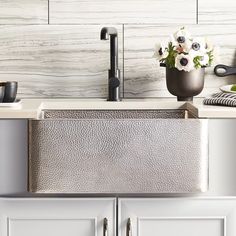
{"points": [[31, 108]]}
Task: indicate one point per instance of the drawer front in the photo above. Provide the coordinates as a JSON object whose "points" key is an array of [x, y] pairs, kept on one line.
{"points": [[118, 156]]}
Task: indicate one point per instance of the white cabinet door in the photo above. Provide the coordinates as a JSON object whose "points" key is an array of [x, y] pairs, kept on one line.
{"points": [[57, 217], [177, 217]]}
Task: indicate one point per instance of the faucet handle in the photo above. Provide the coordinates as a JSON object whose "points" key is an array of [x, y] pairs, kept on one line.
{"points": [[114, 82]]}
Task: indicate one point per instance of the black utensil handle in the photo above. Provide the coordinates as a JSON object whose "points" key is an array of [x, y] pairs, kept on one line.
{"points": [[162, 64], [227, 70]]}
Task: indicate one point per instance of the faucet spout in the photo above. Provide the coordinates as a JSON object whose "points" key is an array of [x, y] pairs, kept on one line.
{"points": [[106, 31], [114, 72]]}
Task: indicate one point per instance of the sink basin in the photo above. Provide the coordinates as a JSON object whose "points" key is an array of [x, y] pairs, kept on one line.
{"points": [[118, 152]]}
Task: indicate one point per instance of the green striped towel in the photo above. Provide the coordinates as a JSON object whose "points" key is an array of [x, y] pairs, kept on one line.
{"points": [[221, 99]]}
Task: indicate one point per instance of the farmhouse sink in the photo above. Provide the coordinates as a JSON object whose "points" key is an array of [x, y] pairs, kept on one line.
{"points": [[118, 152]]}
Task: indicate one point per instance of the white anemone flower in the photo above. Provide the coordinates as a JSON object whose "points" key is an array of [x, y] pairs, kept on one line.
{"points": [[184, 47], [198, 47], [184, 62], [204, 60], [173, 41], [182, 40], [181, 36], [160, 52]]}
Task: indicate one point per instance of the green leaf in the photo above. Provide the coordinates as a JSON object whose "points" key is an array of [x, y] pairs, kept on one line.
{"points": [[233, 88], [196, 62], [170, 60], [211, 57]]}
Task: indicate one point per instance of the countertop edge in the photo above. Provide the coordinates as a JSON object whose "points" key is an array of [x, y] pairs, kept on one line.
{"points": [[31, 108]]}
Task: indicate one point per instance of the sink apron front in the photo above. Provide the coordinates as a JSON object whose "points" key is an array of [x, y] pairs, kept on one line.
{"points": [[118, 152]]}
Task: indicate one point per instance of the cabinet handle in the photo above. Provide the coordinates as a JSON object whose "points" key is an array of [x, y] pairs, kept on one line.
{"points": [[105, 227], [128, 228]]}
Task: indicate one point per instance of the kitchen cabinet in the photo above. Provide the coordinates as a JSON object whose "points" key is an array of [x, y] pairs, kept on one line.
{"points": [[57, 216], [177, 217], [136, 216], [13, 156]]}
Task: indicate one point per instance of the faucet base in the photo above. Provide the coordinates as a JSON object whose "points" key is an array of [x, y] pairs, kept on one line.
{"points": [[114, 94], [114, 86]]}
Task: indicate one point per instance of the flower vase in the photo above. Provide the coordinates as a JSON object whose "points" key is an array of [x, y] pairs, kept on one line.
{"points": [[185, 85]]}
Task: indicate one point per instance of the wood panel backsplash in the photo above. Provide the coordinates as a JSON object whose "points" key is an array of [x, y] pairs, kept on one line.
{"points": [[56, 61], [122, 11], [23, 11], [53, 47], [143, 76], [217, 11]]}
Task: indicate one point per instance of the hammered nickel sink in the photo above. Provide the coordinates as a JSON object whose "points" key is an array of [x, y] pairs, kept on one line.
{"points": [[118, 151]]}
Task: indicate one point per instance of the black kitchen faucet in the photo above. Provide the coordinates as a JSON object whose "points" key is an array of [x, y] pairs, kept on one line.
{"points": [[114, 72]]}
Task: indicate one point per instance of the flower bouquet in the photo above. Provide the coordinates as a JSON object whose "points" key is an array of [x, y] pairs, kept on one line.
{"points": [[185, 59]]}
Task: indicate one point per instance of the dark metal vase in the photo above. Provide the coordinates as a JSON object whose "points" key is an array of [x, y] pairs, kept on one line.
{"points": [[185, 85]]}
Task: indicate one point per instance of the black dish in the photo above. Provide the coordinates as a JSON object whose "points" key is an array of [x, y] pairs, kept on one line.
{"points": [[10, 91], [2, 91]]}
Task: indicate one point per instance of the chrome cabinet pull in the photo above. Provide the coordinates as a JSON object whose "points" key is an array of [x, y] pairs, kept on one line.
{"points": [[128, 228], [105, 227]]}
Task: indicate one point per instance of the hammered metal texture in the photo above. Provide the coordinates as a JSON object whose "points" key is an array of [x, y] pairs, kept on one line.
{"points": [[114, 114], [118, 156]]}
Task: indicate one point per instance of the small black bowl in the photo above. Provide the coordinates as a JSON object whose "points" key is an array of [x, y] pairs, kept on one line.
{"points": [[10, 91], [2, 91]]}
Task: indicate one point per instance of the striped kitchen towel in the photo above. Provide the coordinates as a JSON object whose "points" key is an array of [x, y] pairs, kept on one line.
{"points": [[221, 99]]}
